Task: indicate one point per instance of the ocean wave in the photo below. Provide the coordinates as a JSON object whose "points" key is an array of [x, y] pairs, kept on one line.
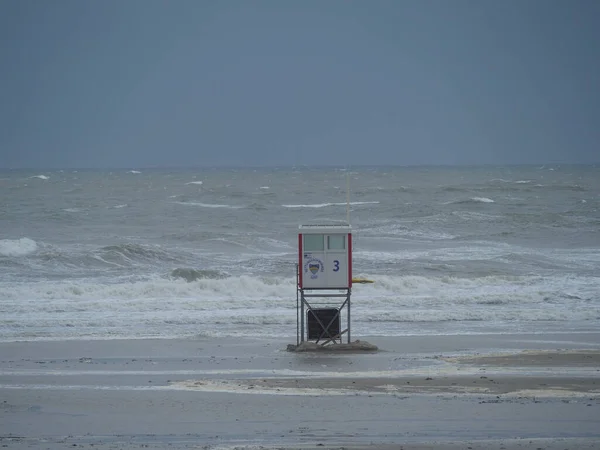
{"points": [[208, 291], [324, 205], [476, 216], [567, 187], [194, 182], [473, 188], [134, 171], [379, 189], [192, 235], [41, 177], [456, 188], [81, 261], [501, 180], [472, 200], [493, 186], [130, 252], [190, 275], [73, 210], [252, 305], [560, 187], [388, 291], [209, 205], [17, 247], [483, 313], [257, 207], [567, 219], [405, 231]]}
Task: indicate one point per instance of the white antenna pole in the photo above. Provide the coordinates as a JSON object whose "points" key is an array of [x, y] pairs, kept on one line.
{"points": [[348, 197]]}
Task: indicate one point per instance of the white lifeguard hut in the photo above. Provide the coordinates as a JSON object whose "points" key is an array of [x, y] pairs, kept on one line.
{"points": [[324, 283]]}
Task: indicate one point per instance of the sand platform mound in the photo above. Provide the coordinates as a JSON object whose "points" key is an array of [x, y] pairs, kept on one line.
{"points": [[356, 346]]}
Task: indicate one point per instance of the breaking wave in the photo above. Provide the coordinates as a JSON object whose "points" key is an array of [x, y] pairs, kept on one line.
{"points": [[189, 301], [501, 185], [324, 205], [470, 200], [209, 289], [209, 205], [17, 247], [73, 210], [131, 252], [190, 275]]}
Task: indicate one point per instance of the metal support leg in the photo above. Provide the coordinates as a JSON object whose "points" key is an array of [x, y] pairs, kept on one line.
{"points": [[302, 335], [297, 307], [348, 306], [303, 306]]}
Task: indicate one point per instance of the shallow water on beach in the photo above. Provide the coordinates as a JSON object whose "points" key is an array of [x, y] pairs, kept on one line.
{"points": [[212, 252]]}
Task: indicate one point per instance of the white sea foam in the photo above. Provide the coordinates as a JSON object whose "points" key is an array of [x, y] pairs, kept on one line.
{"points": [[194, 182], [324, 205], [208, 291], [470, 200], [501, 180], [264, 187], [41, 177], [120, 206], [134, 171], [17, 247], [476, 216], [66, 286], [405, 231], [247, 299], [209, 205]]}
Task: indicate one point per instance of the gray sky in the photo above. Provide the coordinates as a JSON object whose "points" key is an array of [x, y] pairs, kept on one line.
{"points": [[139, 83]]}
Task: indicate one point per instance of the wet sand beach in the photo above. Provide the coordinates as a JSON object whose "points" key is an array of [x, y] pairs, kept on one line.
{"points": [[525, 391]]}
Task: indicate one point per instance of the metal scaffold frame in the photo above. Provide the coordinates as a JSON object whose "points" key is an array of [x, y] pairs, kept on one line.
{"points": [[322, 299]]}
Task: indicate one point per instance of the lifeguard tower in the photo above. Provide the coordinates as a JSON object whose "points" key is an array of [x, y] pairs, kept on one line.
{"points": [[324, 283]]}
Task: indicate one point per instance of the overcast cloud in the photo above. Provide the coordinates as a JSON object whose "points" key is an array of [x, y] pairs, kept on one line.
{"points": [[146, 83]]}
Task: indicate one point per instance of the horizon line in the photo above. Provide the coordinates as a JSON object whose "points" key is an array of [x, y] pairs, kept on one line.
{"points": [[296, 166]]}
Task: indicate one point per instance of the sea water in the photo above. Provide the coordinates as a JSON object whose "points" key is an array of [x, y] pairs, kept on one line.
{"points": [[101, 254]]}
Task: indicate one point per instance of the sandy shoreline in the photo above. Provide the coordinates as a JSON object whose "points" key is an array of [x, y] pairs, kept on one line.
{"points": [[493, 391]]}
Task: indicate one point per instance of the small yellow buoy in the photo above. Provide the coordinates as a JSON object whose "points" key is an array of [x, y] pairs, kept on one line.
{"points": [[362, 281]]}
